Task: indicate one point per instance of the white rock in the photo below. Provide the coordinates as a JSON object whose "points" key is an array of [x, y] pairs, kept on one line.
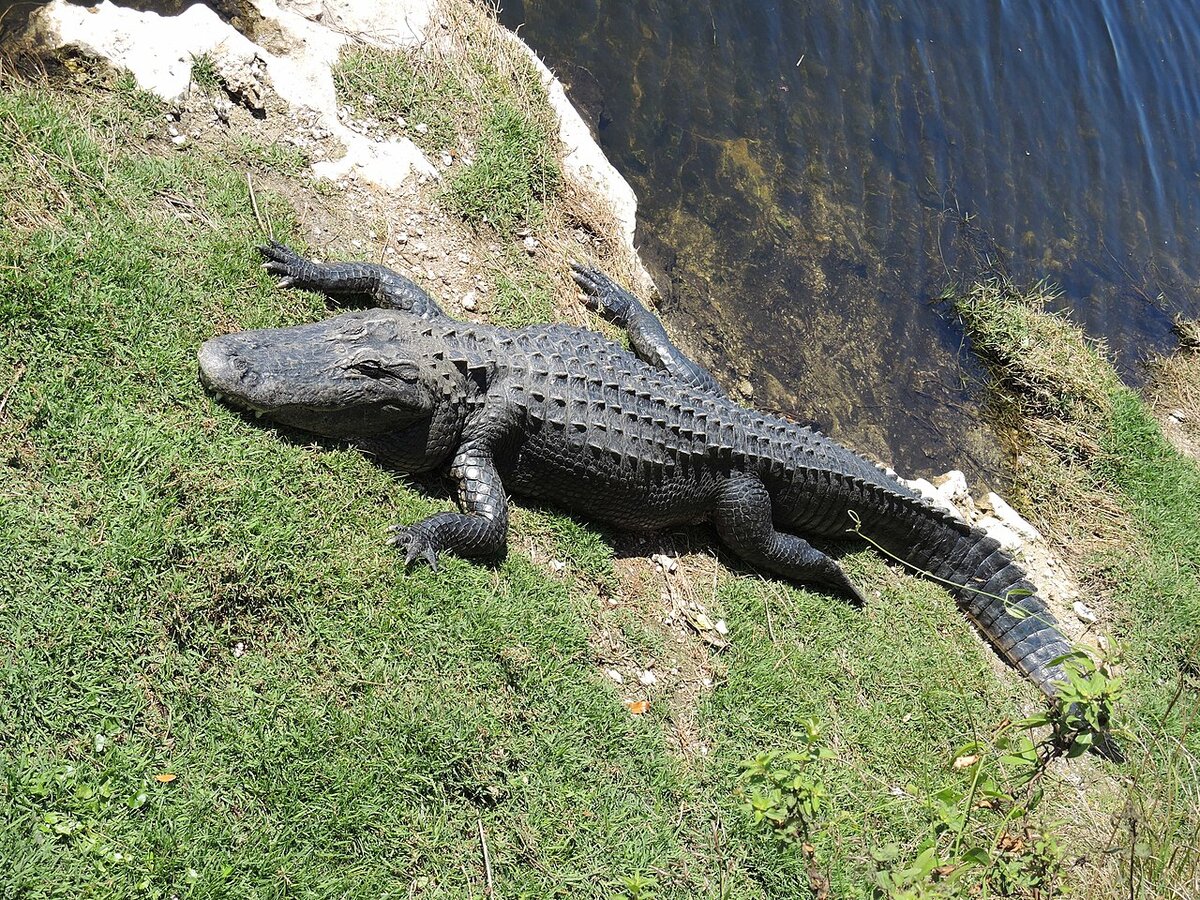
{"points": [[1084, 613], [468, 300], [647, 678], [422, 128], [664, 562], [447, 160], [1009, 540], [615, 675], [557, 565], [530, 243], [953, 486], [1011, 518], [158, 50], [722, 628], [585, 160], [1178, 416], [934, 496]]}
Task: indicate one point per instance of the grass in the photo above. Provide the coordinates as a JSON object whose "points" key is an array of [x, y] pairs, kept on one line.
{"points": [[512, 177], [216, 681], [204, 74], [1129, 518], [479, 97]]}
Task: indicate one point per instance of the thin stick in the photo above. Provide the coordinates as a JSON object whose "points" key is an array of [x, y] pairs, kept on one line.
{"points": [[254, 205], [12, 387], [766, 605], [487, 861]]}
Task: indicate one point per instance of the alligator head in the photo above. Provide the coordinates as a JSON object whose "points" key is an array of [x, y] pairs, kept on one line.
{"points": [[354, 377]]}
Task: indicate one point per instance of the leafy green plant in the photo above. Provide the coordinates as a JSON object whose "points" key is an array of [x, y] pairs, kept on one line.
{"points": [[781, 789], [637, 887], [982, 830]]}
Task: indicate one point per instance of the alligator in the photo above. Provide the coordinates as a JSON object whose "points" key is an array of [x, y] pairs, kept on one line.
{"points": [[643, 440]]}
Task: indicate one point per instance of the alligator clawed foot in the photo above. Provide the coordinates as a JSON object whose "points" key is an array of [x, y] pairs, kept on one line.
{"points": [[283, 261], [416, 544], [600, 293], [842, 585]]}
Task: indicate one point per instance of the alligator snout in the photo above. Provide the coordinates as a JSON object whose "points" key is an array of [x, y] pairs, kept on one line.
{"points": [[219, 371]]}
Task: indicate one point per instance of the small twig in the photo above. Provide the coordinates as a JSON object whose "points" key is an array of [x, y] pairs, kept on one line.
{"points": [[12, 387], [387, 241], [487, 861], [254, 205], [767, 607]]}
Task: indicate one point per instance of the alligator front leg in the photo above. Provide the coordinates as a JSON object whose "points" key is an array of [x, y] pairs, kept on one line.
{"points": [[479, 530], [361, 282], [646, 333], [742, 516]]}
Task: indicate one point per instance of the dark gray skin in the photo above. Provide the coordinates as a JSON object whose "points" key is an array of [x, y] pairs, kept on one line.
{"points": [[643, 441]]}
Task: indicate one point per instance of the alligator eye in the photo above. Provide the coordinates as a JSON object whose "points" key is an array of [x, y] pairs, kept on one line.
{"points": [[371, 368]]}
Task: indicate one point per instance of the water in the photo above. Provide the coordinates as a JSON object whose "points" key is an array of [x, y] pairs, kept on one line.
{"points": [[801, 168]]}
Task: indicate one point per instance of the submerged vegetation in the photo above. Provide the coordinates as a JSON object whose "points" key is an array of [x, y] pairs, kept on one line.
{"points": [[215, 679]]}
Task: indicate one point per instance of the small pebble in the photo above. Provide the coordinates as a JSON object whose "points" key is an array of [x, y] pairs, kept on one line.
{"points": [[239, 649], [665, 562], [468, 300], [1084, 612], [422, 128], [447, 159], [530, 244], [647, 678], [615, 675]]}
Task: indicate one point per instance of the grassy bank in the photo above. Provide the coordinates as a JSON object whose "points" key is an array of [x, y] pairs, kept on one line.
{"points": [[1093, 468], [216, 681]]}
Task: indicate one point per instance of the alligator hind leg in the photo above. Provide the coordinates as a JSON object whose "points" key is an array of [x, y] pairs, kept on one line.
{"points": [[363, 282], [646, 333], [742, 516]]}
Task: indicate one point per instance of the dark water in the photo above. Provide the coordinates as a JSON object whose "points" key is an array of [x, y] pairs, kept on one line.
{"points": [[801, 168]]}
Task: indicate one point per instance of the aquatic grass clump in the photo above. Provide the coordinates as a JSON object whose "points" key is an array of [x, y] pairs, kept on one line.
{"points": [[1044, 361]]}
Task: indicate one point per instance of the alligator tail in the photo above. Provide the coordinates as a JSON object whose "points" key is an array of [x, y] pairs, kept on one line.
{"points": [[991, 589]]}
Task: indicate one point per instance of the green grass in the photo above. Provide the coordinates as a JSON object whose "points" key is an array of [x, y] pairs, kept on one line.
{"points": [[388, 86], [513, 176], [1084, 437], [204, 74], [184, 593], [484, 101]]}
